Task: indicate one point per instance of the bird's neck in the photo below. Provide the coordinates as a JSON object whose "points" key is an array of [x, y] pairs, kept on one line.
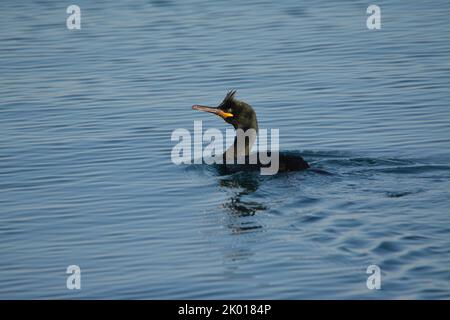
{"points": [[243, 143]]}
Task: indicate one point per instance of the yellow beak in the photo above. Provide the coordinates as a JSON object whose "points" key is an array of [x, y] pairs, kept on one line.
{"points": [[217, 111]]}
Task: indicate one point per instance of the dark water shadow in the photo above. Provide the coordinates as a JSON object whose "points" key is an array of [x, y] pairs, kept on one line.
{"points": [[162, 3], [240, 185]]}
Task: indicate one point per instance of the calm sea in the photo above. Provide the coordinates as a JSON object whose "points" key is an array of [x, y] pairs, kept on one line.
{"points": [[86, 177]]}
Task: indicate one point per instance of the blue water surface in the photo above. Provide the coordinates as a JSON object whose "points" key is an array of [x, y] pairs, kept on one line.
{"points": [[86, 176]]}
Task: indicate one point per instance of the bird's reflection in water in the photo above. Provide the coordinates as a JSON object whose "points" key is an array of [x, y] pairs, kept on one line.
{"points": [[240, 217], [241, 210]]}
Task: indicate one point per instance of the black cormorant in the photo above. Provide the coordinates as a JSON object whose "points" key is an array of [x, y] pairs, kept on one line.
{"points": [[242, 116]]}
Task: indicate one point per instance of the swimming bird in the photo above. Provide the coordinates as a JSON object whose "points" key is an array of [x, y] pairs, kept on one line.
{"points": [[243, 118]]}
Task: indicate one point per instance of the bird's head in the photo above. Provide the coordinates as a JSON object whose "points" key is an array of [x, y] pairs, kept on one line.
{"points": [[238, 113]]}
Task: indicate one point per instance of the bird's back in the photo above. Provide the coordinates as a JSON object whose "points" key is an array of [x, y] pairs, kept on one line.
{"points": [[286, 162]]}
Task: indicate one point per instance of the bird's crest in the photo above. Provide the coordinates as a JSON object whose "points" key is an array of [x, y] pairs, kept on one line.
{"points": [[229, 97]]}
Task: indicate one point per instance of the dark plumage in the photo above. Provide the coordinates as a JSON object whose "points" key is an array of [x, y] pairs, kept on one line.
{"points": [[242, 116]]}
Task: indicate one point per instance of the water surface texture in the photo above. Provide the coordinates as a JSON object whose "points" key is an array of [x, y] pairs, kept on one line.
{"points": [[86, 178]]}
